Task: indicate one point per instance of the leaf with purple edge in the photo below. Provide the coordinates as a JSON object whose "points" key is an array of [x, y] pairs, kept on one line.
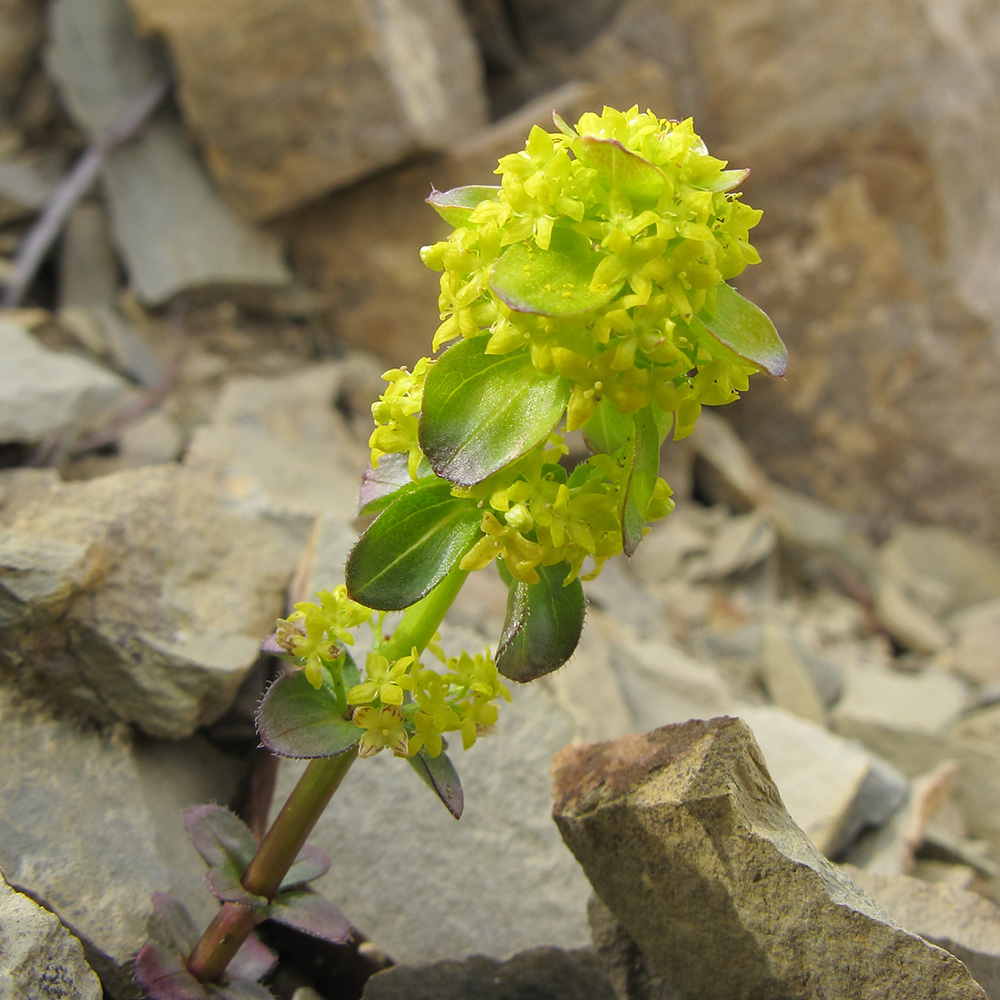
{"points": [[380, 484], [224, 883], [543, 624], [253, 961], [439, 774], [162, 974], [311, 864], [746, 330], [310, 913], [220, 837], [624, 171], [482, 411], [455, 205], [642, 464], [173, 925], [297, 720], [552, 282]]}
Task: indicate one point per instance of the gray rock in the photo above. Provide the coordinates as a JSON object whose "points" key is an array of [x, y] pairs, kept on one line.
{"points": [[281, 446], [727, 473], [425, 888], [961, 922], [786, 676], [292, 99], [538, 974], [170, 224], [142, 595], [906, 621], [45, 394], [683, 836], [38, 956], [833, 788], [977, 642], [90, 826]]}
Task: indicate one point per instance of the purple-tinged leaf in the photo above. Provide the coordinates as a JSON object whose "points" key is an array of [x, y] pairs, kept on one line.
{"points": [[553, 282], [483, 411], [297, 720], [310, 913], [253, 961], [163, 975], [310, 864], [642, 464], [455, 205], [620, 168], [224, 883], [379, 484], [439, 774], [412, 546], [220, 837], [560, 124], [175, 926], [543, 624], [270, 646], [745, 329]]}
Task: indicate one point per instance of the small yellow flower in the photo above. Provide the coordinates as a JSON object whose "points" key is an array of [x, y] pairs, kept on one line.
{"points": [[385, 681], [383, 728]]}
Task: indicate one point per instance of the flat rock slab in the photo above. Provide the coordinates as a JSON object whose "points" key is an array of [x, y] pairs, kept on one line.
{"points": [[424, 887], [38, 956], [682, 833], [91, 825], [538, 974], [46, 394], [294, 97], [143, 596]]}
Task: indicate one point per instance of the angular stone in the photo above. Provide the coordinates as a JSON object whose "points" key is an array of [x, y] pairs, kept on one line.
{"points": [[963, 923], [46, 394], [786, 677], [740, 543], [538, 974], [292, 99], [172, 228], [425, 888], [833, 788], [91, 826], [142, 595], [906, 621], [880, 242], [281, 445], [727, 472], [38, 956], [977, 642], [689, 813]]}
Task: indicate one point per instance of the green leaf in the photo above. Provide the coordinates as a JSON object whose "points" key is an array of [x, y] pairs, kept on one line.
{"points": [[310, 864], [455, 205], [411, 546], [482, 411], [642, 464], [607, 430], [439, 774], [297, 720], [553, 282], [623, 170], [543, 625], [747, 330], [726, 181]]}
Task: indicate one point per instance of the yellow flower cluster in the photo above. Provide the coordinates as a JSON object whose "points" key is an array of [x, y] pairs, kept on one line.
{"points": [[460, 698], [663, 230], [396, 415], [314, 632]]}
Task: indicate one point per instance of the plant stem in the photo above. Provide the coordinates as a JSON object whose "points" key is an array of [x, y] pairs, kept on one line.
{"points": [[321, 778]]}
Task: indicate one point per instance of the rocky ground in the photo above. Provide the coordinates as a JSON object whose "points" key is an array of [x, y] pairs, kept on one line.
{"points": [[192, 335]]}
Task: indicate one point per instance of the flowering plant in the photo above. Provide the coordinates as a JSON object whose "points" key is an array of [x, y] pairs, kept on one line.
{"points": [[587, 292]]}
